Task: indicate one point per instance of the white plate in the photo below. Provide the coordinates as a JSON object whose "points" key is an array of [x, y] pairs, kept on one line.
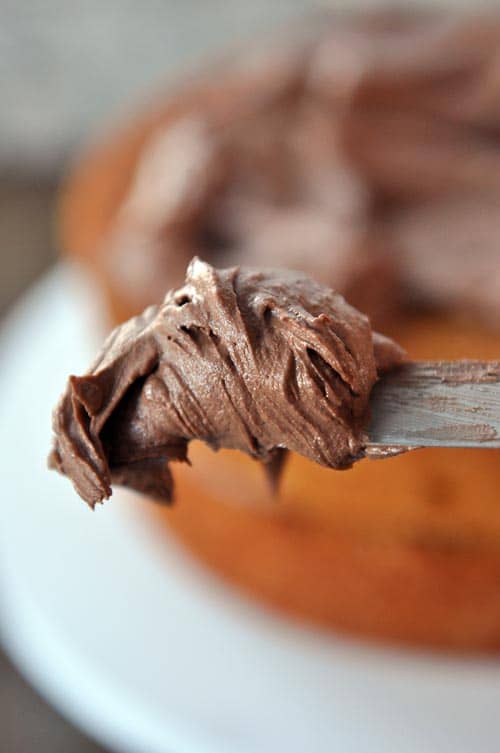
{"points": [[150, 654]]}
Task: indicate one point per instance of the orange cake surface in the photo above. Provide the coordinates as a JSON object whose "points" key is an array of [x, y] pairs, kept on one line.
{"points": [[395, 134]]}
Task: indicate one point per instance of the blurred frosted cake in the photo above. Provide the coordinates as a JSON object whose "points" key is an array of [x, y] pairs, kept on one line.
{"points": [[364, 151]]}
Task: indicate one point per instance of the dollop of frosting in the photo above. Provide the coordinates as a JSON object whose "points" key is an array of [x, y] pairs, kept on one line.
{"points": [[262, 361]]}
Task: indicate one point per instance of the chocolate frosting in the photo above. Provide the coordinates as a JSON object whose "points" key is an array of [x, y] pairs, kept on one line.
{"points": [[348, 153], [262, 361]]}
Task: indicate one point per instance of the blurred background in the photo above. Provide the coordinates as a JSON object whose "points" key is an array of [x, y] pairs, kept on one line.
{"points": [[68, 69]]}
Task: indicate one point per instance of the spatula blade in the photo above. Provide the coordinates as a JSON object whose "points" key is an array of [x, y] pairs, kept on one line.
{"points": [[436, 404]]}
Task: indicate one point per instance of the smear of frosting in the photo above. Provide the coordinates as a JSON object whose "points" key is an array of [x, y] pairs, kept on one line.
{"points": [[262, 361], [365, 153]]}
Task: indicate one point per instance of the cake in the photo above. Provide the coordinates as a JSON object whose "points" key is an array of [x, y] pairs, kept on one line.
{"points": [[363, 152]]}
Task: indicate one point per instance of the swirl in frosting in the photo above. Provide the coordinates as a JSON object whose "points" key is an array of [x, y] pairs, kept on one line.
{"points": [[262, 361], [365, 153]]}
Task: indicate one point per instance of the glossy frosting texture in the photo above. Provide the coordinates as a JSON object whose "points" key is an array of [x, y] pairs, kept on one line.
{"points": [[261, 361]]}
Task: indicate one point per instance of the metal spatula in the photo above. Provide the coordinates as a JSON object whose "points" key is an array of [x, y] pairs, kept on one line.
{"points": [[436, 404]]}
